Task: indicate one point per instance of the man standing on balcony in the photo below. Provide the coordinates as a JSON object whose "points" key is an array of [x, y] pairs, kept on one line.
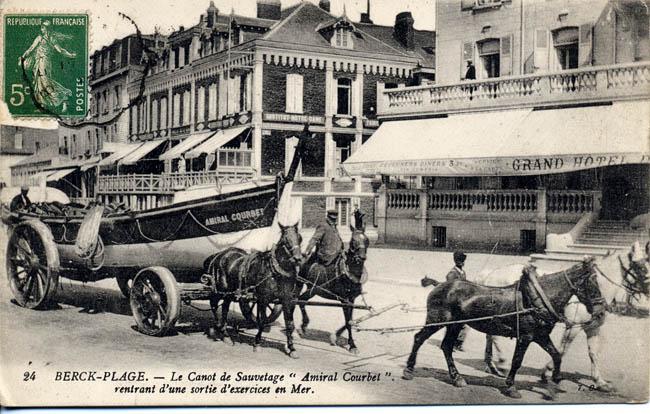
{"points": [[470, 74], [457, 273], [326, 243]]}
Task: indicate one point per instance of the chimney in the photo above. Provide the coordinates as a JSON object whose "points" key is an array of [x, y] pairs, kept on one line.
{"points": [[213, 12], [269, 9], [365, 17], [325, 5], [404, 31]]}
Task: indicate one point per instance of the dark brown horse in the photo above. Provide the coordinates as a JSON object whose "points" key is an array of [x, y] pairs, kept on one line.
{"points": [[266, 277], [333, 286], [461, 300]]}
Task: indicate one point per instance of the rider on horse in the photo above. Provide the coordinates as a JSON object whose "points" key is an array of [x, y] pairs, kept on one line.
{"points": [[328, 246]]}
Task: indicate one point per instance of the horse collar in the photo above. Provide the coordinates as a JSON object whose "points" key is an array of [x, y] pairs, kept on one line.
{"points": [[275, 265]]}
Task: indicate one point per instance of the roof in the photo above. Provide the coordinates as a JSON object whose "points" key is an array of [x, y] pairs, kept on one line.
{"points": [[301, 25]]}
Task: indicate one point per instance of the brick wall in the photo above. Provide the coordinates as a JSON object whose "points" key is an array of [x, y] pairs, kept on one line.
{"points": [[308, 186], [273, 153], [275, 88], [313, 211], [370, 91]]}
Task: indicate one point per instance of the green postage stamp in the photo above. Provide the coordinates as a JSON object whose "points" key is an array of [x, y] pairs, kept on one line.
{"points": [[46, 64]]}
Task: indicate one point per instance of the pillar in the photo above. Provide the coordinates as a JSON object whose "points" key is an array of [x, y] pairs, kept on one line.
{"points": [[192, 105], [257, 110], [330, 102], [169, 111], [540, 220], [381, 204]]}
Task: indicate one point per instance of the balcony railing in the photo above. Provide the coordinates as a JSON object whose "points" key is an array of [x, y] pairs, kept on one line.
{"points": [[498, 201], [589, 84], [168, 183]]}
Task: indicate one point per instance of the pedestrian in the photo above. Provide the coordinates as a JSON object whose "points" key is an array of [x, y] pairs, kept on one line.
{"points": [[457, 273], [326, 243], [358, 218]]}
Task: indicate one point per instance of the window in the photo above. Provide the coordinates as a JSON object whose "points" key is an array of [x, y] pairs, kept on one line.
{"points": [[176, 58], [104, 101], [489, 58], [37, 146], [343, 150], [343, 96], [64, 149], [342, 39], [187, 54], [89, 144], [212, 102], [565, 42], [118, 94], [294, 94], [18, 140], [439, 236], [342, 205], [73, 146], [98, 141]]}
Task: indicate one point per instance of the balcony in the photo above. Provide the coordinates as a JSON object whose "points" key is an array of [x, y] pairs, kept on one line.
{"points": [[167, 183], [585, 85]]}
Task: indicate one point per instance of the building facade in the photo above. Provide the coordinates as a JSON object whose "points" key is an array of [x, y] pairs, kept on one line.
{"points": [[19, 143], [228, 96], [542, 71]]}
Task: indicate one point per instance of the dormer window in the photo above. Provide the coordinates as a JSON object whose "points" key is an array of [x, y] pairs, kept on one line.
{"points": [[342, 38]]}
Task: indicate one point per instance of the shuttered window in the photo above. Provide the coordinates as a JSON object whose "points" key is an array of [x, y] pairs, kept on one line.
{"points": [[585, 46], [540, 54], [294, 94], [200, 104], [506, 55], [212, 101]]}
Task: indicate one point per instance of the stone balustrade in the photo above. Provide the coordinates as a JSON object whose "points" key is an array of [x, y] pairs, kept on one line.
{"points": [[557, 201], [588, 84]]}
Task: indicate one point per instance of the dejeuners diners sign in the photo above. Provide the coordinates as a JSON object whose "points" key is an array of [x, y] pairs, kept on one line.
{"points": [[495, 166]]}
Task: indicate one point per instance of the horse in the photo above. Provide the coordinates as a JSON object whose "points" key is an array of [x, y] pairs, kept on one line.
{"points": [[264, 276], [460, 300], [576, 314], [331, 285]]}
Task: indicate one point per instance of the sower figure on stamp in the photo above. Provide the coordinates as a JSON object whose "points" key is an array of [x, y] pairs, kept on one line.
{"points": [[327, 244], [457, 273]]}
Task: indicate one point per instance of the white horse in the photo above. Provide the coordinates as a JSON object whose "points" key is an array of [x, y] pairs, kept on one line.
{"points": [[575, 312]]}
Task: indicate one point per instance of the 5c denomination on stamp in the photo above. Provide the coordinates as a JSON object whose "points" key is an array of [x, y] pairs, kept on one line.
{"points": [[46, 64]]}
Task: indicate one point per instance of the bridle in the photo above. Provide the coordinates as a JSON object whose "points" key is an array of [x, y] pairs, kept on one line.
{"points": [[355, 247], [580, 291], [286, 249]]}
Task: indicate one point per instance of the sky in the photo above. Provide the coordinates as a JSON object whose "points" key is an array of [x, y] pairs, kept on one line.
{"points": [[167, 15]]}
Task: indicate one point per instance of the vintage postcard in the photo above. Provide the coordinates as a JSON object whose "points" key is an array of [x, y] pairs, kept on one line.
{"points": [[324, 202]]}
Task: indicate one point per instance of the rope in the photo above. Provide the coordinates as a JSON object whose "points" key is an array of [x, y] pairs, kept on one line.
{"points": [[626, 289], [402, 329]]}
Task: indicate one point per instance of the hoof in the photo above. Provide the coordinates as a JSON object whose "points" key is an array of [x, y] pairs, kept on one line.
{"points": [[212, 333], [407, 374], [460, 382], [301, 332], [257, 348], [512, 392], [333, 339], [228, 341], [293, 355], [605, 387], [354, 351]]}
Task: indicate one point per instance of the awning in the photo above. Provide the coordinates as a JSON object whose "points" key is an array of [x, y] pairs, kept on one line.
{"points": [[111, 147], [517, 142], [211, 145], [122, 152], [58, 174], [141, 152], [187, 144]]}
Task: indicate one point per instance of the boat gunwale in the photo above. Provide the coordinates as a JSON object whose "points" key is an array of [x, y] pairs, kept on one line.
{"points": [[131, 215]]}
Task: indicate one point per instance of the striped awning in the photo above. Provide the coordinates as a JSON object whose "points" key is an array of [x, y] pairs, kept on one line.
{"points": [[119, 154], [187, 144], [211, 145], [56, 175], [141, 152]]}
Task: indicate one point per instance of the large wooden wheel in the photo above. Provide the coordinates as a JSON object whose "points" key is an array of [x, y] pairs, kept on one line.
{"points": [[32, 262], [155, 300], [249, 311]]}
